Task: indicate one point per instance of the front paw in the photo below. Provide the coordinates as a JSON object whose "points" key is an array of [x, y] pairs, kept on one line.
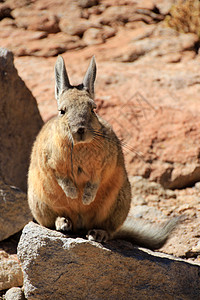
{"points": [[71, 192], [98, 235], [89, 193], [68, 187], [63, 224]]}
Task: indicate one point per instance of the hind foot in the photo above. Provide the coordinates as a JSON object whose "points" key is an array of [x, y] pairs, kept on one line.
{"points": [[98, 235], [63, 224]]}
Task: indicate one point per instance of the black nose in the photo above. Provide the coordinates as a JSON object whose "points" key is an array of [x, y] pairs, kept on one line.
{"points": [[81, 131]]}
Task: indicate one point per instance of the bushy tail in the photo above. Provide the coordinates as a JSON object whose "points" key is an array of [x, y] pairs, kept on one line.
{"points": [[145, 234]]}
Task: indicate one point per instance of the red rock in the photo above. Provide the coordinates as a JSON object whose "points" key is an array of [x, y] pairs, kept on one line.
{"points": [[164, 5], [30, 19], [169, 143], [5, 11], [76, 27], [7, 22], [117, 14], [157, 45], [108, 32], [94, 36], [18, 3], [39, 22], [38, 43], [87, 3]]}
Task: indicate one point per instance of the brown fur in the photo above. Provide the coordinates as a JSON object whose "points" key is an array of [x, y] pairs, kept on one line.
{"points": [[78, 181]]}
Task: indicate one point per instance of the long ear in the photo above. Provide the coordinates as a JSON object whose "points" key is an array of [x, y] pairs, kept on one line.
{"points": [[88, 81], [61, 77]]}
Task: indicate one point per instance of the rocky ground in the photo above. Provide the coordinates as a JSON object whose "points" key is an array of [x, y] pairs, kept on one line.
{"points": [[147, 87]]}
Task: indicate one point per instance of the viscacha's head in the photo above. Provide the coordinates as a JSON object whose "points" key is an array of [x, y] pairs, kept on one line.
{"points": [[76, 104]]}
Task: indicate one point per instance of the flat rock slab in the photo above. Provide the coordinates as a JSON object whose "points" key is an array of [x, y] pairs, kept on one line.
{"points": [[60, 267]]}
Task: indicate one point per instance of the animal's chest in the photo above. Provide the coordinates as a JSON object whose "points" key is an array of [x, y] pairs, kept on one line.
{"points": [[86, 165], [81, 164]]}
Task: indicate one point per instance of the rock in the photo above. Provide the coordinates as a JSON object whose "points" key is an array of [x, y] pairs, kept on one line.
{"points": [[5, 11], [36, 20], [20, 122], [161, 43], [161, 143], [87, 3], [10, 272], [173, 150], [146, 4], [147, 213], [14, 293], [17, 3], [197, 185], [7, 22], [75, 28], [117, 15], [94, 36], [52, 45], [39, 22], [74, 268], [15, 212], [146, 198], [164, 6], [38, 43], [141, 186]]}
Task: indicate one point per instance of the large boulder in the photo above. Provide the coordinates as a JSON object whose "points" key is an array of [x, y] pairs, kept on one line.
{"points": [[169, 141], [20, 122], [15, 213], [60, 267], [161, 144]]}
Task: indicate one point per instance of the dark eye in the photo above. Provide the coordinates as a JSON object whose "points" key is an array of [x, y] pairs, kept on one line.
{"points": [[92, 110], [61, 112]]}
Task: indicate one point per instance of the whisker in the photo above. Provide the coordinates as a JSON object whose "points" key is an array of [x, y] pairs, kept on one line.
{"points": [[71, 153], [125, 146], [97, 142]]}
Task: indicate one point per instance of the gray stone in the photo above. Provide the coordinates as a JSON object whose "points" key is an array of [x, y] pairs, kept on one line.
{"points": [[14, 293], [197, 185], [60, 267], [14, 209], [10, 272], [20, 122], [143, 187], [146, 212]]}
